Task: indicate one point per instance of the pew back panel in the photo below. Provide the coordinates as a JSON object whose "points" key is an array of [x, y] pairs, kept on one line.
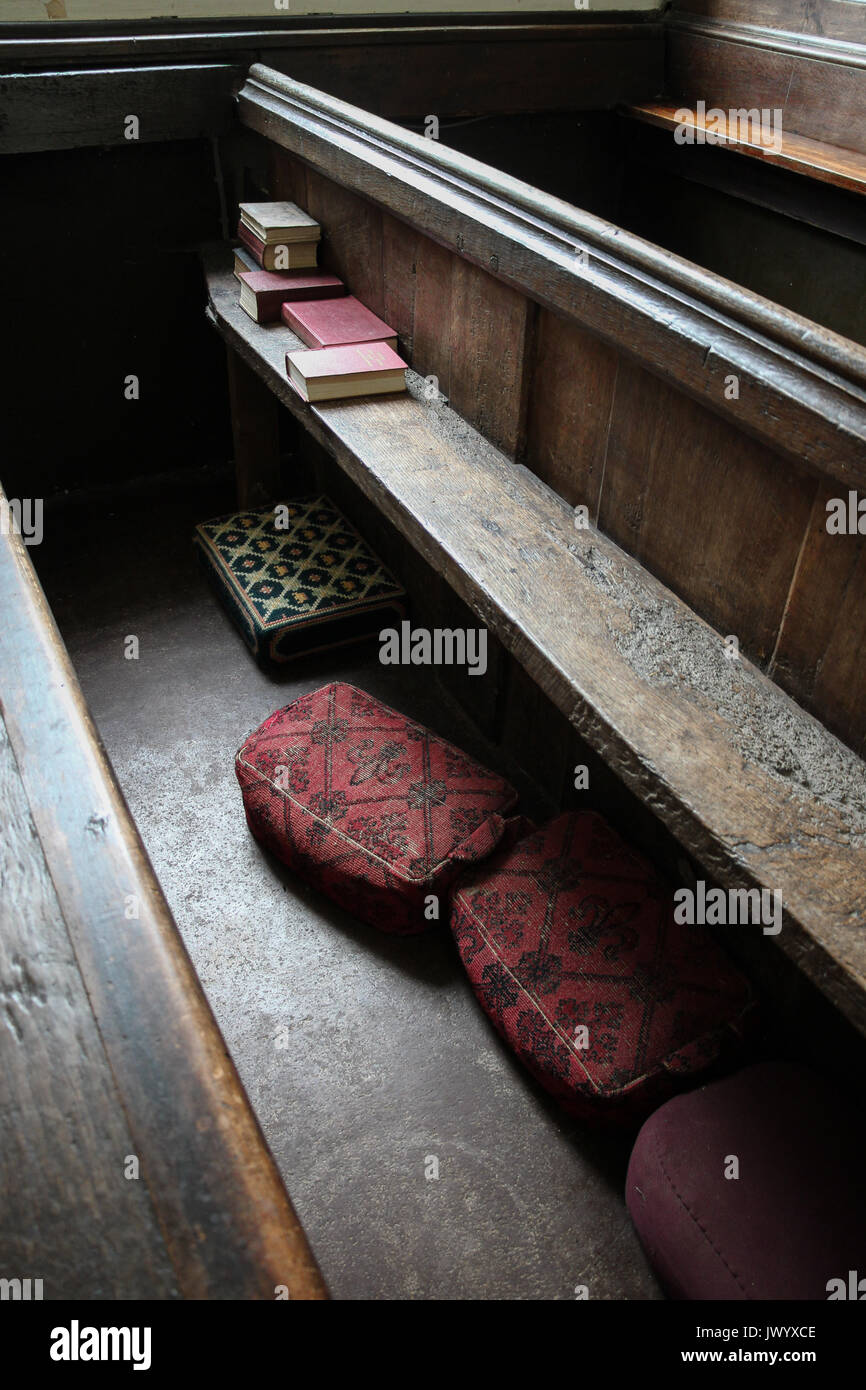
{"points": [[695, 421]]}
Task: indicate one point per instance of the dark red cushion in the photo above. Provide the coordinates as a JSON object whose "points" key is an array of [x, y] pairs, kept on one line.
{"points": [[570, 930], [794, 1219], [371, 808]]}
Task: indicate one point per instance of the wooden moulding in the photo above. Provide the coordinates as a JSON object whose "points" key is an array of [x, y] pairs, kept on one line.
{"points": [[793, 43], [40, 43], [68, 110], [802, 388], [817, 79], [228, 1229], [754, 787], [71, 85]]}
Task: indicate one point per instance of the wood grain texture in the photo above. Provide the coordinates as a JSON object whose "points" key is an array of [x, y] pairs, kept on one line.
{"points": [[717, 517], [190, 39], [827, 101], [399, 280], [829, 163], [821, 654], [351, 244], [402, 70], [783, 14], [433, 312], [573, 379], [817, 81], [749, 783], [226, 1220], [834, 19], [452, 318], [701, 67], [68, 1214], [489, 327], [66, 110], [832, 27], [802, 387], [288, 177]]}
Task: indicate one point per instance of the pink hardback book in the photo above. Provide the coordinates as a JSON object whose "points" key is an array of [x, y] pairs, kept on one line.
{"points": [[263, 292], [356, 369], [335, 322]]}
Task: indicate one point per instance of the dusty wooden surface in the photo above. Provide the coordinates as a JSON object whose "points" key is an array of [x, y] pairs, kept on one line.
{"points": [[689, 493], [801, 388], [68, 1214], [754, 787], [124, 1038]]}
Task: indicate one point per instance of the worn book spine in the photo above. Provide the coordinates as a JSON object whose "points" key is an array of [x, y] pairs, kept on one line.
{"points": [[269, 257], [267, 291], [244, 261]]}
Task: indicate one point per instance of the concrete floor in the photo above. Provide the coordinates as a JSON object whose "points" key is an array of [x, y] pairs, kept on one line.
{"points": [[363, 1055]]}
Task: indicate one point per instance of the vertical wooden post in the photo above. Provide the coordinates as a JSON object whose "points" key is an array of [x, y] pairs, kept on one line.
{"points": [[255, 429]]}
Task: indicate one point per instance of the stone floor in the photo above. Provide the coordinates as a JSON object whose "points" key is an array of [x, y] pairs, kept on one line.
{"points": [[363, 1056]]}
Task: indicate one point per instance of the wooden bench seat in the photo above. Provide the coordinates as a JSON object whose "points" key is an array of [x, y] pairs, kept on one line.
{"points": [[131, 1164], [753, 786], [813, 158]]}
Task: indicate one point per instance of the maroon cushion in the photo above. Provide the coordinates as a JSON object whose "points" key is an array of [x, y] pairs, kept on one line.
{"points": [[368, 806], [570, 942], [792, 1221]]}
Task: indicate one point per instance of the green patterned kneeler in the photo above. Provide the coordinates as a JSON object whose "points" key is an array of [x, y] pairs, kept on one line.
{"points": [[310, 584]]}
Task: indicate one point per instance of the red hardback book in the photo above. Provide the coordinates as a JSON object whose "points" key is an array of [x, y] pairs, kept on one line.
{"points": [[336, 322], [357, 369], [292, 256], [264, 291]]}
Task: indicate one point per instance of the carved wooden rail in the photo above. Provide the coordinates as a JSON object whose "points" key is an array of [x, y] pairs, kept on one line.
{"points": [[705, 428], [801, 388]]}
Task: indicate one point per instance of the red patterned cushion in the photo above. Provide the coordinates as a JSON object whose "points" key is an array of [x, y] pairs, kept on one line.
{"points": [[371, 808], [570, 943]]}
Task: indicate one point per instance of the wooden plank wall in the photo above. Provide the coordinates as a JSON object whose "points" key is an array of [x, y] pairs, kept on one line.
{"points": [[716, 50], [734, 529], [60, 91]]}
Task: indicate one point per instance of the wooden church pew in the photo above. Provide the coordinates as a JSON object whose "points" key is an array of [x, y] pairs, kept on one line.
{"points": [[705, 742], [815, 159], [122, 1110]]}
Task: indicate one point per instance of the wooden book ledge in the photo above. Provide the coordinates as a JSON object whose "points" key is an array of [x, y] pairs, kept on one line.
{"points": [[754, 787], [813, 158]]}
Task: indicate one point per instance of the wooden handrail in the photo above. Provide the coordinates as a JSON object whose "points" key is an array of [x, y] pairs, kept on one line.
{"points": [[802, 388]]}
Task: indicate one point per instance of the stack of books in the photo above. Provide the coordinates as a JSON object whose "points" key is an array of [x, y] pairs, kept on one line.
{"points": [[352, 351], [281, 236], [277, 260]]}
